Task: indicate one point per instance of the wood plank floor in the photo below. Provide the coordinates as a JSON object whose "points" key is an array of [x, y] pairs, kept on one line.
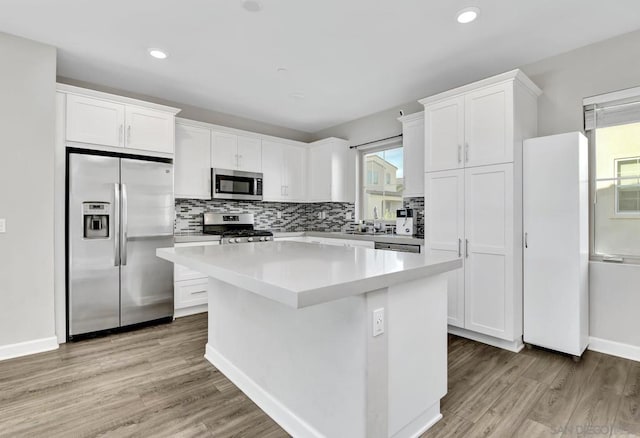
{"points": [[155, 383]]}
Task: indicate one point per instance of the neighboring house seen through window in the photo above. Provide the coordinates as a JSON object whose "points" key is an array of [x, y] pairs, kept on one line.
{"points": [[381, 197]]}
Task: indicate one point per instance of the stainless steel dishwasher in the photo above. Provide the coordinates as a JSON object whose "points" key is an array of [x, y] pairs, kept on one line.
{"points": [[401, 247]]}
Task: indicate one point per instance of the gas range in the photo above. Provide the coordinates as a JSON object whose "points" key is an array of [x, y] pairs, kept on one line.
{"points": [[234, 228]]}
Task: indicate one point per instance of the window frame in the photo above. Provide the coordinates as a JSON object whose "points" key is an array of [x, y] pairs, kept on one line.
{"points": [[361, 173], [631, 214]]}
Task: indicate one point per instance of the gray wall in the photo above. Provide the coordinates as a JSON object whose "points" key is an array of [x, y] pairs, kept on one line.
{"points": [[27, 120], [202, 115], [565, 79]]}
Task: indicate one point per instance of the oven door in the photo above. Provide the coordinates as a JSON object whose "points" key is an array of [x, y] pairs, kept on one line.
{"points": [[234, 184]]}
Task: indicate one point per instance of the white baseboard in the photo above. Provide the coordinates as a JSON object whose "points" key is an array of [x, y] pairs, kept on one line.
{"points": [[290, 422], [613, 348], [514, 346], [29, 347], [179, 313], [420, 425]]}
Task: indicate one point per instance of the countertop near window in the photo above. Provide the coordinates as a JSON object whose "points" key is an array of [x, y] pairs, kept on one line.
{"points": [[384, 238]]}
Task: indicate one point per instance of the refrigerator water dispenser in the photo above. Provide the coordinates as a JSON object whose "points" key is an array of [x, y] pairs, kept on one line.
{"points": [[96, 219]]}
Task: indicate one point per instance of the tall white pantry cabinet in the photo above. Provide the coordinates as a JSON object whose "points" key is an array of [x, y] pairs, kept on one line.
{"points": [[473, 196]]}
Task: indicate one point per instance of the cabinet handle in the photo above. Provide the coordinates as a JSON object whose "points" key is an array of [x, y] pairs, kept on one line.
{"points": [[121, 134], [466, 152], [466, 248], [459, 153], [128, 134], [526, 240], [459, 247]]}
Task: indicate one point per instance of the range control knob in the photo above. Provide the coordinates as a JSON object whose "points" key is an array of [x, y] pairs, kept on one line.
{"points": [[250, 239], [269, 238], [262, 239], [237, 240], [230, 241]]}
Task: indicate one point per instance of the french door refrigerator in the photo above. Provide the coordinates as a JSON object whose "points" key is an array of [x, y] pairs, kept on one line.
{"points": [[120, 209]]}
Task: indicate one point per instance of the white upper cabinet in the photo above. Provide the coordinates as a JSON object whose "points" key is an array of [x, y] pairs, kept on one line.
{"points": [[191, 163], [105, 121], [489, 126], [95, 121], [480, 124], [331, 171], [444, 135], [283, 168], [413, 154], [149, 129], [224, 150], [236, 152]]}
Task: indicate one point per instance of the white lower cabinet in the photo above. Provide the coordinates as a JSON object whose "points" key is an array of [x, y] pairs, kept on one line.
{"points": [[471, 213], [190, 287]]}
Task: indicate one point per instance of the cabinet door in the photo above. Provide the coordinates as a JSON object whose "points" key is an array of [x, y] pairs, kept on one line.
{"points": [[444, 231], [224, 150], [489, 126], [192, 162], [295, 166], [272, 170], [489, 267], [150, 130], [320, 172], [413, 157], [444, 135], [249, 154], [95, 121]]}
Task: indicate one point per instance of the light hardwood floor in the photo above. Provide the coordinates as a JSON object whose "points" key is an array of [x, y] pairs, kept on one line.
{"points": [[155, 383]]}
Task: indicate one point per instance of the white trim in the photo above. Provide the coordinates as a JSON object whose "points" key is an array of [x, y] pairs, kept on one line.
{"points": [[613, 96], [286, 419], [411, 117], [29, 347], [510, 76], [72, 89], [188, 311], [614, 348], [514, 346], [119, 150], [420, 425]]}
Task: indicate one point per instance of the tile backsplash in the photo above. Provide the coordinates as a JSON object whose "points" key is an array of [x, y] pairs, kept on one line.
{"points": [[294, 216]]}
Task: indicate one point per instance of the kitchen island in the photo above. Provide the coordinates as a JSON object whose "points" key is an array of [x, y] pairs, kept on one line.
{"points": [[292, 325]]}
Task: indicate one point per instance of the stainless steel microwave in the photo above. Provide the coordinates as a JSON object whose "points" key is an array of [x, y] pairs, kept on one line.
{"points": [[234, 184]]}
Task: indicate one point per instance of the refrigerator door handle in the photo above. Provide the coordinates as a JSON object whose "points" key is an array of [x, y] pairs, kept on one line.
{"points": [[123, 255], [116, 224]]}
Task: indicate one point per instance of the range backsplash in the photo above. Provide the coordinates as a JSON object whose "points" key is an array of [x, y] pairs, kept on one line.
{"points": [[295, 216]]}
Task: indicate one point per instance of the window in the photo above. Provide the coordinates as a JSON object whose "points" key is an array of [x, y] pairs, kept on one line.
{"points": [[614, 130], [628, 186], [380, 198]]}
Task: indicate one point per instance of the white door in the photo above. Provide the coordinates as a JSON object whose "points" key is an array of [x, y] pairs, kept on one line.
{"points": [[444, 135], [192, 162], [295, 167], [320, 172], [413, 157], [444, 231], [489, 268], [224, 150], [95, 121], [489, 126], [272, 170], [249, 154], [150, 130]]}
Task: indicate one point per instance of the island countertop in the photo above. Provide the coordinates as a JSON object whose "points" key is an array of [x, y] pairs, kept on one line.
{"points": [[303, 274]]}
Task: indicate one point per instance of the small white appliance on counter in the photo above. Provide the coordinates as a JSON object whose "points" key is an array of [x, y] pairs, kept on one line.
{"points": [[556, 242], [405, 222]]}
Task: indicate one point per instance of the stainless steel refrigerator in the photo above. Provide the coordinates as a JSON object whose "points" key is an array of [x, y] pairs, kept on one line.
{"points": [[119, 211]]}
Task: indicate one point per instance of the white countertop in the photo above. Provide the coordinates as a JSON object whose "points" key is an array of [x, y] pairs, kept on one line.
{"points": [[304, 274]]}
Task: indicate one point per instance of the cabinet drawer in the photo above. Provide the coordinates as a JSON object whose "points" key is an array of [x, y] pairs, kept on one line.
{"points": [[182, 273], [190, 293]]}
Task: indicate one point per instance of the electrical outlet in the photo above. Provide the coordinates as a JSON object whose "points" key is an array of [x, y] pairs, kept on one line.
{"points": [[378, 322], [3, 225], [279, 215]]}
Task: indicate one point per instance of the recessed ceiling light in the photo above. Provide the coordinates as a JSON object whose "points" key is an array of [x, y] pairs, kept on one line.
{"points": [[158, 54], [298, 95], [467, 15], [252, 5], [282, 70]]}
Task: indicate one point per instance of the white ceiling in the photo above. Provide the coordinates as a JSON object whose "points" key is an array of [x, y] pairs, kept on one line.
{"points": [[350, 58]]}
